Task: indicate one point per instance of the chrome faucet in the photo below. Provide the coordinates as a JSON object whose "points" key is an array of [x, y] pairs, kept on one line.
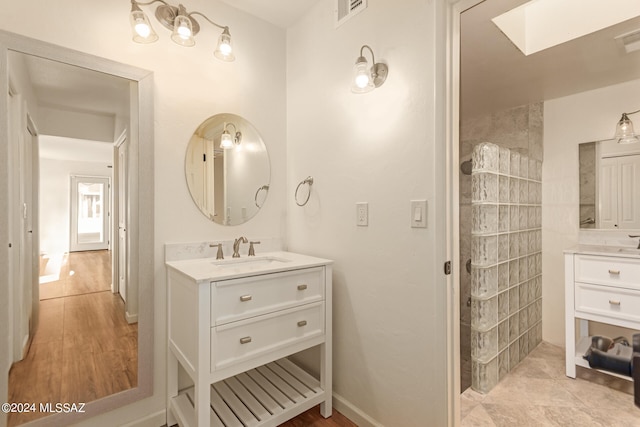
{"points": [[635, 236], [236, 246]]}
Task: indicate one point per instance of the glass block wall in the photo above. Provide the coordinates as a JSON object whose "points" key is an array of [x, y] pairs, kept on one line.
{"points": [[506, 282]]}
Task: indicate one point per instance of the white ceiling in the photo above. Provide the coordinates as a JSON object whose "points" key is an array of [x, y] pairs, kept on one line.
{"points": [[282, 13], [495, 75]]}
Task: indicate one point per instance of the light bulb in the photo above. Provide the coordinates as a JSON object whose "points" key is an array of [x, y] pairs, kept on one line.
{"points": [[362, 77], [142, 30], [182, 31], [224, 51], [226, 141]]}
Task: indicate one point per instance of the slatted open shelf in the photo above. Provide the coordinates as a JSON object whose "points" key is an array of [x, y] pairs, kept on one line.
{"points": [[266, 396]]}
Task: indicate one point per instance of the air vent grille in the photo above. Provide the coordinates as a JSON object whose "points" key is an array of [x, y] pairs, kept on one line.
{"points": [[347, 9]]}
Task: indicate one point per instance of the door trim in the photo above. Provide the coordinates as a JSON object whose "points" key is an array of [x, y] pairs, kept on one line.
{"points": [[74, 244]]}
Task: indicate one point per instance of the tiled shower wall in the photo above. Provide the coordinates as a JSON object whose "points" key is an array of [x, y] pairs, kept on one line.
{"points": [[519, 129], [506, 259]]}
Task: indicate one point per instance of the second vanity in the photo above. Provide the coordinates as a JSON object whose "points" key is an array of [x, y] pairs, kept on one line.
{"points": [[602, 284], [231, 325]]}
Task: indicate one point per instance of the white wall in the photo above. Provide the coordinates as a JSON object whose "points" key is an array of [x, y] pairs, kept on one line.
{"points": [[76, 124], [55, 194], [380, 148], [189, 86], [569, 121]]}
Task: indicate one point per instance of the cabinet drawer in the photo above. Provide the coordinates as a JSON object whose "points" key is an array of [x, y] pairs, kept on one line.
{"points": [[608, 301], [620, 272], [237, 299], [247, 339]]}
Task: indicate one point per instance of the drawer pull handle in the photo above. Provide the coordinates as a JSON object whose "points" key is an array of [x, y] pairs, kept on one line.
{"points": [[614, 272], [302, 323], [612, 302], [302, 287], [245, 340], [245, 298]]}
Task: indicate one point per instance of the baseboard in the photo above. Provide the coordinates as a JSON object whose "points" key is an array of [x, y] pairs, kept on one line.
{"points": [[156, 419], [131, 318], [352, 412]]}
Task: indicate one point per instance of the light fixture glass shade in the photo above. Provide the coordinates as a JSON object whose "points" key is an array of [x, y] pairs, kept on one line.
{"points": [[224, 50], [141, 27], [226, 140], [362, 81], [183, 31], [624, 131]]}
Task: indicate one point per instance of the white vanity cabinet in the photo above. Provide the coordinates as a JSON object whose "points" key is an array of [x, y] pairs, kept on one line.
{"points": [[602, 284], [231, 326]]}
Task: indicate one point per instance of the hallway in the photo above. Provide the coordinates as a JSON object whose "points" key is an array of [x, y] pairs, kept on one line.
{"points": [[83, 349]]}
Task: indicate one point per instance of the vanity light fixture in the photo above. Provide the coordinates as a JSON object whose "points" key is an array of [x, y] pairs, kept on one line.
{"points": [[624, 130], [182, 25], [366, 79], [227, 140]]}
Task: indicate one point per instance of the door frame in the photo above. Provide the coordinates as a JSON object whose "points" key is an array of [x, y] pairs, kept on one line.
{"points": [[74, 245]]}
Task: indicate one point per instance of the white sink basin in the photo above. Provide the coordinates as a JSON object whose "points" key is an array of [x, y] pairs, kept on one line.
{"points": [[629, 251], [249, 262]]}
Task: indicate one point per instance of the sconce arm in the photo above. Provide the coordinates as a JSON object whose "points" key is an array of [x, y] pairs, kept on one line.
{"points": [[222, 27], [373, 58], [138, 3]]}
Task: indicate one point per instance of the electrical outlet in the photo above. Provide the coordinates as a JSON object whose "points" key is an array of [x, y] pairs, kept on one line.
{"points": [[362, 214]]}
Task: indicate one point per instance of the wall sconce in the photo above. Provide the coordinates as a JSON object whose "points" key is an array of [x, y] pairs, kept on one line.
{"points": [[227, 140], [624, 130], [182, 25], [366, 79]]}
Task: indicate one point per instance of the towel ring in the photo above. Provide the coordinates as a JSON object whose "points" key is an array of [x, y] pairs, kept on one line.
{"points": [[308, 181], [255, 198]]}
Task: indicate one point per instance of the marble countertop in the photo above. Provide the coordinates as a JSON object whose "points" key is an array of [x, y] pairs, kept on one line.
{"points": [[209, 269], [619, 251]]}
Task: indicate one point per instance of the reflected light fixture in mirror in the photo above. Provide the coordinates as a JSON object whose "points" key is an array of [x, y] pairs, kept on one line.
{"points": [[366, 79], [227, 140], [182, 25], [624, 130]]}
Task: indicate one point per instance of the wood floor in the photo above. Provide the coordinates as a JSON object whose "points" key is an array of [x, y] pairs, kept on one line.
{"points": [[76, 273], [83, 348], [312, 418]]}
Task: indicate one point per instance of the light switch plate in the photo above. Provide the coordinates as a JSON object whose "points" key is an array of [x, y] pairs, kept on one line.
{"points": [[362, 214], [418, 213]]}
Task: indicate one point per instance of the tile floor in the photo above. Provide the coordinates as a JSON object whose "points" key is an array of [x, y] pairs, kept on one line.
{"points": [[537, 393]]}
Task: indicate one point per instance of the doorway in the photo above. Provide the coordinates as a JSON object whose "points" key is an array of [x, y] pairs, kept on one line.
{"points": [[90, 213]]}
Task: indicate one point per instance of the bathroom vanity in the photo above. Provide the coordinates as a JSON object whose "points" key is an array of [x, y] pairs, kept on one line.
{"points": [[602, 284], [231, 325]]}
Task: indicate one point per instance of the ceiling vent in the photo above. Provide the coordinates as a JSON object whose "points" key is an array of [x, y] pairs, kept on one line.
{"points": [[347, 9]]}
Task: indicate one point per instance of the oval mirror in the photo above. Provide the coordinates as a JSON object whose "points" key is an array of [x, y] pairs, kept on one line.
{"points": [[227, 169]]}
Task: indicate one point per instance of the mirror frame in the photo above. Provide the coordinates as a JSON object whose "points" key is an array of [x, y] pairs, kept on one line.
{"points": [[141, 244]]}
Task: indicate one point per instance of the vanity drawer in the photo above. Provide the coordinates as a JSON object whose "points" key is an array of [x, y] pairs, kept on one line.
{"points": [[619, 303], [247, 339], [620, 272], [237, 299]]}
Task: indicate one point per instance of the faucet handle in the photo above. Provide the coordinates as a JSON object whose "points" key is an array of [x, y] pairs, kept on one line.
{"points": [[252, 251], [219, 255]]}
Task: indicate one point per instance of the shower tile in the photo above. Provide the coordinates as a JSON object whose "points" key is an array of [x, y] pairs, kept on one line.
{"points": [[514, 328], [503, 335], [514, 190], [514, 272], [531, 220], [523, 188], [531, 312], [484, 250], [538, 258], [524, 346], [503, 218], [504, 160], [514, 354], [484, 313], [523, 269], [531, 237], [485, 157], [538, 240], [514, 219], [484, 345], [532, 339], [523, 294], [503, 189], [484, 187], [515, 164], [524, 319], [484, 282], [524, 166], [514, 245], [538, 194], [484, 219], [531, 266], [538, 176], [538, 216], [538, 329], [523, 243], [538, 286], [537, 311], [485, 376], [532, 169], [523, 216], [503, 306], [532, 289], [503, 365], [503, 276], [514, 300], [503, 247]]}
